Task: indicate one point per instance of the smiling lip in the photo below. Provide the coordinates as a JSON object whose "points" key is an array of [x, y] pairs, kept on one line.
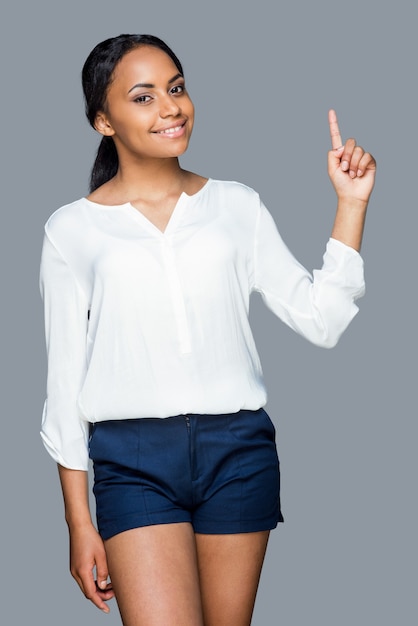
{"points": [[175, 130]]}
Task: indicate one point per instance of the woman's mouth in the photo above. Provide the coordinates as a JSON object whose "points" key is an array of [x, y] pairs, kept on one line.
{"points": [[172, 131]]}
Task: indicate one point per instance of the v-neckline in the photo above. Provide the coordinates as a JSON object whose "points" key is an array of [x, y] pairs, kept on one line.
{"points": [[138, 214], [182, 200]]}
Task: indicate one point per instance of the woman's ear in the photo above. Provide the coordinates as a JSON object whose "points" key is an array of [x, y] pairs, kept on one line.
{"points": [[102, 125]]}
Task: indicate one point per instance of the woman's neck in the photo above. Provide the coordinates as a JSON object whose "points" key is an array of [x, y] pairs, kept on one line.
{"points": [[151, 179]]}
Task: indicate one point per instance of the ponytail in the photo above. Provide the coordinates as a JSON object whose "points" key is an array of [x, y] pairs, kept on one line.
{"points": [[105, 165]]}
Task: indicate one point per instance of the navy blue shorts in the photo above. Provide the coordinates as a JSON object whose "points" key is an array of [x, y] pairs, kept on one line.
{"points": [[218, 472]]}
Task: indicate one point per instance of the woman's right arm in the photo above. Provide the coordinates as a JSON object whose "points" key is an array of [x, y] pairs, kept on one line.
{"points": [[87, 553], [64, 433]]}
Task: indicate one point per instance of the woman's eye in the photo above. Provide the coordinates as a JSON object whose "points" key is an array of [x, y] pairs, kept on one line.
{"points": [[142, 99], [178, 89]]}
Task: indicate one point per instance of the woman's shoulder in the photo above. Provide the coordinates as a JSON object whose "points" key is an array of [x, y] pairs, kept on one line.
{"points": [[66, 217], [195, 183], [233, 188]]}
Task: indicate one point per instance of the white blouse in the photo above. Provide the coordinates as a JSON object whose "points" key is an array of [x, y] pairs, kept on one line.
{"points": [[141, 323]]}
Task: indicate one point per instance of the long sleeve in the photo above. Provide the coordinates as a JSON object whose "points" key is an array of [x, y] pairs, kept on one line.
{"points": [[63, 432], [319, 307]]}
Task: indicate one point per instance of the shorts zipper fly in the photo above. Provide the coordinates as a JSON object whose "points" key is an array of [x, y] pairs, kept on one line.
{"points": [[191, 433]]}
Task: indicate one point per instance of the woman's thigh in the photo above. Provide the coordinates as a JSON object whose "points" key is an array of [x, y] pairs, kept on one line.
{"points": [[229, 573], [155, 576]]}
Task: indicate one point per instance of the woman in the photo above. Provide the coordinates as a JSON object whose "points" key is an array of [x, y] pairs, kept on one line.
{"points": [[152, 368]]}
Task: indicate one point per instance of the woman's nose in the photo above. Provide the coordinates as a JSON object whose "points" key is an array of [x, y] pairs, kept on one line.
{"points": [[169, 107]]}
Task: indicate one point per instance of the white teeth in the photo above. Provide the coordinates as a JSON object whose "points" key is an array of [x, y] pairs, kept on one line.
{"points": [[169, 131]]}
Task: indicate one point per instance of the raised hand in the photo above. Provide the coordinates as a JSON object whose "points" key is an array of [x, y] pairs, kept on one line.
{"points": [[351, 169]]}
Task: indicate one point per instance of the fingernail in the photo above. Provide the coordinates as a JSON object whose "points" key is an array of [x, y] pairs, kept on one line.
{"points": [[344, 166], [359, 172], [102, 584], [352, 174]]}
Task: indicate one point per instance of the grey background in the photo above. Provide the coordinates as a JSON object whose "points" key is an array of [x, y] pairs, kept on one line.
{"points": [[262, 76]]}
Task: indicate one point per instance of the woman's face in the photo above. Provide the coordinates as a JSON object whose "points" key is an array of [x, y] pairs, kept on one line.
{"points": [[148, 111]]}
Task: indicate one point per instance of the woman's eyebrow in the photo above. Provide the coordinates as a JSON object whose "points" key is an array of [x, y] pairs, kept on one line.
{"points": [[151, 86]]}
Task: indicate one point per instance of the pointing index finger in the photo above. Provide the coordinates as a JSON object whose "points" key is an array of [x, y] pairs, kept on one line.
{"points": [[334, 130]]}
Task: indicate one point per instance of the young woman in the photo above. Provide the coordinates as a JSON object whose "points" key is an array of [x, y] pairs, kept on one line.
{"points": [[152, 368]]}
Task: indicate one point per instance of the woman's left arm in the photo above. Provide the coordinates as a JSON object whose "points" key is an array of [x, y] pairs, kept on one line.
{"points": [[352, 173]]}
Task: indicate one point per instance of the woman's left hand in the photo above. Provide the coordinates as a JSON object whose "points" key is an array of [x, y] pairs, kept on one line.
{"points": [[351, 169]]}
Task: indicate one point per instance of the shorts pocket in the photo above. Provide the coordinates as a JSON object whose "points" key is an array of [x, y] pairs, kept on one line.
{"points": [[252, 426]]}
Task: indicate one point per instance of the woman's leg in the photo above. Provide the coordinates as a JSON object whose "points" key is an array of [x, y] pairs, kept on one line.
{"points": [[155, 577], [229, 570]]}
